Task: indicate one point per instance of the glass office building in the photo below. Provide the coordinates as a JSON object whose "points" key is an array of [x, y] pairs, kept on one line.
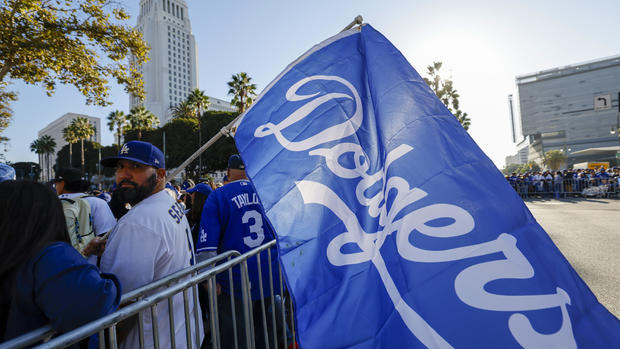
{"points": [[573, 109]]}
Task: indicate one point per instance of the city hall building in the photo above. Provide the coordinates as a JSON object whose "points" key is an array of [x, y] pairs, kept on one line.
{"points": [[172, 70], [573, 109]]}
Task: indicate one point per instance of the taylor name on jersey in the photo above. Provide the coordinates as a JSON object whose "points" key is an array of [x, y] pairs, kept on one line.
{"points": [[243, 199]]}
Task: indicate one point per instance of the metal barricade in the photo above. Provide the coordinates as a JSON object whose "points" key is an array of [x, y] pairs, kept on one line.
{"points": [[567, 188], [271, 309]]}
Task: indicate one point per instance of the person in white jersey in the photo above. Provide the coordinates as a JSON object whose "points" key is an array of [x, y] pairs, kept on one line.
{"points": [[149, 242]]}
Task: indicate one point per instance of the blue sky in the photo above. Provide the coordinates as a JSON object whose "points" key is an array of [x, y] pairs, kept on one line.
{"points": [[483, 45]]}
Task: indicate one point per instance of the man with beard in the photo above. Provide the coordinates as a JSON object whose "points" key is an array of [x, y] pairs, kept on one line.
{"points": [[149, 242]]}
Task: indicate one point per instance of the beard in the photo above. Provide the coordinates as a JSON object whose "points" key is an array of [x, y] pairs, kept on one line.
{"points": [[136, 193]]}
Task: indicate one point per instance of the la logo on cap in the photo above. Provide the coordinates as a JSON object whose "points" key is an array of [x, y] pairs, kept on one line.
{"points": [[124, 149], [156, 161]]}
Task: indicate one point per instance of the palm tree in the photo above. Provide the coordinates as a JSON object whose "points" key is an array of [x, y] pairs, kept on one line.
{"points": [[48, 146], [242, 90], [36, 147], [83, 130], [554, 159], [117, 119], [68, 133], [198, 101], [44, 146], [141, 119], [182, 110], [444, 89]]}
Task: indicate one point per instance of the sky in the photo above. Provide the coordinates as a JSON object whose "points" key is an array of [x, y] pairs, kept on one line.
{"points": [[483, 45]]}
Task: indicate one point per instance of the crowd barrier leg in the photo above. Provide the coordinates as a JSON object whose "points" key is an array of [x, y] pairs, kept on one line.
{"points": [[141, 329], [188, 319], [262, 302], [233, 309], [155, 324], [197, 315], [171, 323], [213, 314], [112, 335], [247, 307], [273, 304]]}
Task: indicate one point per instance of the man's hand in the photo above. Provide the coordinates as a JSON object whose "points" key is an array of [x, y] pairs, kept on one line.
{"points": [[96, 246]]}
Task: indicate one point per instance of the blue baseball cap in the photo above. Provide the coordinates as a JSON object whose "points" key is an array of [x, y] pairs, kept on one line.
{"points": [[6, 172], [138, 151], [202, 188], [235, 162], [187, 184]]}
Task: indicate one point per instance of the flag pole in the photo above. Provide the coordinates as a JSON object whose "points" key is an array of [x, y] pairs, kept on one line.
{"points": [[357, 21], [226, 130]]}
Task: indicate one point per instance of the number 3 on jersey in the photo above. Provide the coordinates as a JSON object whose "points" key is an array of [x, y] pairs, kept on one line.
{"points": [[257, 235]]}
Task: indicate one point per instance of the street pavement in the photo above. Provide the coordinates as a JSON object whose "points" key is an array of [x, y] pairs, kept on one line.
{"points": [[587, 231]]}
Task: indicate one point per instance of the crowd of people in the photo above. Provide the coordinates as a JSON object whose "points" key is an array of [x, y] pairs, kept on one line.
{"points": [[73, 253], [581, 182]]}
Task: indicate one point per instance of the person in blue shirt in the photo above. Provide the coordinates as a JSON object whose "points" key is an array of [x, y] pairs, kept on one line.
{"points": [[233, 219], [43, 279]]}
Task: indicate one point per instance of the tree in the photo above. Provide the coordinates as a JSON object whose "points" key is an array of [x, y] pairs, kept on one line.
{"points": [[44, 146], [118, 120], [68, 133], [48, 42], [36, 148], [179, 130], [182, 110], [141, 119], [48, 145], [554, 159], [508, 169], [242, 90], [6, 97], [199, 102], [91, 157], [531, 166], [83, 130], [444, 89]]}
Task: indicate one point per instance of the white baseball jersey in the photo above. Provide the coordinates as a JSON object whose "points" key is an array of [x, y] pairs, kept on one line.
{"points": [[149, 242]]}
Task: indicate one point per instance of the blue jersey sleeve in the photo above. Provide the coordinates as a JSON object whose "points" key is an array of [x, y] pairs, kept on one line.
{"points": [[70, 291], [210, 225]]}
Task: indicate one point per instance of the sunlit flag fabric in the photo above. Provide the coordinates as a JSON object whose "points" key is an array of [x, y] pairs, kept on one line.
{"points": [[394, 228]]}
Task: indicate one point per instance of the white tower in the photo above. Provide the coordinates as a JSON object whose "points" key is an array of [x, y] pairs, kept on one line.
{"points": [[171, 72]]}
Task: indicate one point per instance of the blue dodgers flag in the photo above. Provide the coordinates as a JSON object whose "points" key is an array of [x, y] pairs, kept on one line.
{"points": [[393, 227]]}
